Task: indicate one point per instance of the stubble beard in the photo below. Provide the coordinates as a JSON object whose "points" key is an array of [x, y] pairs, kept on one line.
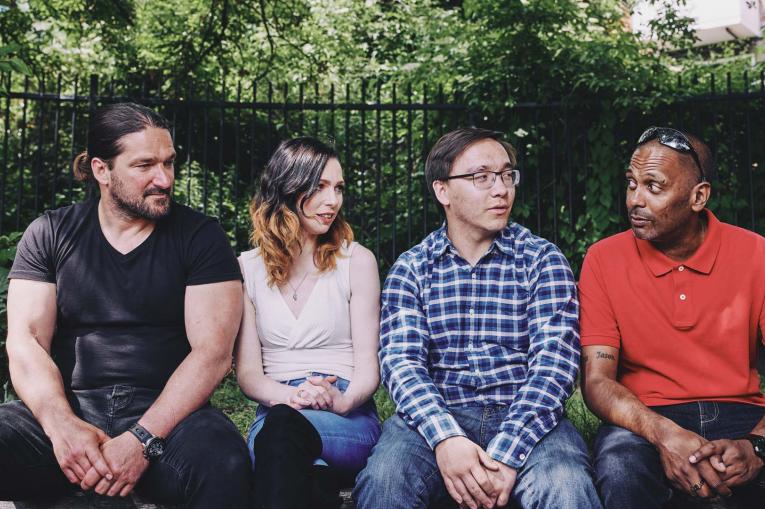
{"points": [[139, 208]]}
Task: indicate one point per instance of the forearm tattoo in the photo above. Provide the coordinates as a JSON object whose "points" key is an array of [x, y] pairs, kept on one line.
{"points": [[604, 355]]}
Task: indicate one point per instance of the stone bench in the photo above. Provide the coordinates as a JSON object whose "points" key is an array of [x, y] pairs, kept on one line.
{"points": [[94, 501]]}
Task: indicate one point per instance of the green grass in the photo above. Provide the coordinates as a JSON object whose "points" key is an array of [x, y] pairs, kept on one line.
{"points": [[233, 403]]}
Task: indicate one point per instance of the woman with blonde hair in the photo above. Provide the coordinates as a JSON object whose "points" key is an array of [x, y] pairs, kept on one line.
{"points": [[307, 345]]}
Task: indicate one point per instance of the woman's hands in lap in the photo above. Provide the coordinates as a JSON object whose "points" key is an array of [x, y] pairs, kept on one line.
{"points": [[318, 393]]}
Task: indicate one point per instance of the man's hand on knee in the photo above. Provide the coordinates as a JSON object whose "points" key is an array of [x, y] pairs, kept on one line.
{"points": [[466, 469], [503, 480], [76, 445], [700, 480], [124, 455], [735, 460]]}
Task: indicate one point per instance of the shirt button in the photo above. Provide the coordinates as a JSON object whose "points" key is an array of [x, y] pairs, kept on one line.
{"points": [[474, 276], [522, 456], [681, 268], [682, 296], [472, 312]]}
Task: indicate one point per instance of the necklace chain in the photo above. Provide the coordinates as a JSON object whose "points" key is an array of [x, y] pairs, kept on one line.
{"points": [[296, 288]]}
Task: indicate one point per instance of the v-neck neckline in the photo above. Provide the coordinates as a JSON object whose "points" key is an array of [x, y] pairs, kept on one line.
{"points": [[307, 302], [130, 254]]}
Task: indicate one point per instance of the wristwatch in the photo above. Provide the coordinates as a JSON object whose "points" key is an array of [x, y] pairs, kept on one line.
{"points": [[153, 446], [758, 442]]}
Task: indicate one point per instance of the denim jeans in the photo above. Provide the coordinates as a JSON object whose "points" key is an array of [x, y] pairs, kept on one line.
{"points": [[402, 471], [628, 471], [346, 440], [204, 464]]}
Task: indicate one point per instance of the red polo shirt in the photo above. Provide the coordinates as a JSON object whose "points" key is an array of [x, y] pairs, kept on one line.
{"points": [[686, 331]]}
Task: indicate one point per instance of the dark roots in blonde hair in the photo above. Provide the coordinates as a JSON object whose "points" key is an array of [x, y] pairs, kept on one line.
{"points": [[293, 171]]}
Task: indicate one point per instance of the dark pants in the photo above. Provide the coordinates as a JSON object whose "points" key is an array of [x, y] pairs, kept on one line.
{"points": [[205, 464], [628, 472]]}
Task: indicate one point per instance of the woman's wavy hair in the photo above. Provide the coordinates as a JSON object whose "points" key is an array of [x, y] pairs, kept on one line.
{"points": [[293, 171]]}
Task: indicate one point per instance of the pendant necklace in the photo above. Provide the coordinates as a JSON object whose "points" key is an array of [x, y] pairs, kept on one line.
{"points": [[296, 288]]}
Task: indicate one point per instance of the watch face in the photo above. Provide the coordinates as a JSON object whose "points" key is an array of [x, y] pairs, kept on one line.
{"points": [[154, 448]]}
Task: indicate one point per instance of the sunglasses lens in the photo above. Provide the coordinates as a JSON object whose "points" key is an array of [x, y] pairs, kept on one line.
{"points": [[647, 135], [675, 141]]}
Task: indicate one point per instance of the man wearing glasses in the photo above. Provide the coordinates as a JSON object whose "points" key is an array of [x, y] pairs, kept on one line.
{"points": [[670, 317], [479, 351]]}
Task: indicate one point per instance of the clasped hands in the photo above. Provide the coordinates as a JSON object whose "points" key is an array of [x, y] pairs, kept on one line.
{"points": [[472, 478], [706, 469], [89, 457], [318, 393]]}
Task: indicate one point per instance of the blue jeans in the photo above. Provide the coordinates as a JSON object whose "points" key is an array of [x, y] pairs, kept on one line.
{"points": [[204, 464], [346, 440], [628, 471], [402, 471]]}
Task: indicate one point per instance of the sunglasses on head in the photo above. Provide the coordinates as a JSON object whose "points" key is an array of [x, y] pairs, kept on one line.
{"points": [[673, 139]]}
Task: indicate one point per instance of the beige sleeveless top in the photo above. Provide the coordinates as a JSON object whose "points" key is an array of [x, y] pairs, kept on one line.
{"points": [[320, 338]]}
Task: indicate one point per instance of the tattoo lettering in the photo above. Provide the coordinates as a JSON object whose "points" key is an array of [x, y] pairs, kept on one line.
{"points": [[586, 358], [603, 355]]}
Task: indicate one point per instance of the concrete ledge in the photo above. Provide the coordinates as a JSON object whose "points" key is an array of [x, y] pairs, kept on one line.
{"points": [[85, 501], [94, 501]]}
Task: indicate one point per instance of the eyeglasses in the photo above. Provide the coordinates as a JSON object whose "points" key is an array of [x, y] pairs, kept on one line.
{"points": [[486, 179], [673, 139]]}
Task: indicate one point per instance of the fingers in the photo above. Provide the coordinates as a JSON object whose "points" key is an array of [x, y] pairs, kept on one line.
{"points": [[484, 482], [99, 464], [92, 477], [464, 494], [487, 461], [717, 463], [322, 380], [704, 452], [117, 488], [126, 490], [453, 491], [103, 486], [504, 495], [70, 475], [712, 482], [318, 395], [80, 466], [476, 492]]}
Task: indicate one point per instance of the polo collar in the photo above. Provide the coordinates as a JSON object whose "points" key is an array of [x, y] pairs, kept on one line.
{"points": [[701, 261]]}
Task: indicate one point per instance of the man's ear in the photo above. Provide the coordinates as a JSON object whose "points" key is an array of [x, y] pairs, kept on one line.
{"points": [[441, 190], [101, 171], [700, 196]]}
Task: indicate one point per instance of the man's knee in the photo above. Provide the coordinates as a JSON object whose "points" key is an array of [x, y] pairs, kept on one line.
{"points": [[210, 442], [622, 459], [402, 468]]}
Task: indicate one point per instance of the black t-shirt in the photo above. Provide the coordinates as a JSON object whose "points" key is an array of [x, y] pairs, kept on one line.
{"points": [[121, 317]]}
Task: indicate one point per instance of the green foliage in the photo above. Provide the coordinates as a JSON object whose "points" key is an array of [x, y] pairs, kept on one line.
{"points": [[7, 253], [230, 400]]}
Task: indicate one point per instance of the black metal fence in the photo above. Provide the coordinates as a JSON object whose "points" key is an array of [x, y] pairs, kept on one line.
{"points": [[572, 156]]}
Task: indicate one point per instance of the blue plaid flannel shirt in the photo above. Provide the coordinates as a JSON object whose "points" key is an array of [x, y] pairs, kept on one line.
{"points": [[504, 332]]}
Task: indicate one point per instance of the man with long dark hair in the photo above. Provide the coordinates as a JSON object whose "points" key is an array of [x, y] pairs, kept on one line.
{"points": [[122, 313]]}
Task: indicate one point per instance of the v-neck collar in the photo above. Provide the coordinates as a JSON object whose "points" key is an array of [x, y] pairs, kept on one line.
{"points": [[118, 254], [307, 302]]}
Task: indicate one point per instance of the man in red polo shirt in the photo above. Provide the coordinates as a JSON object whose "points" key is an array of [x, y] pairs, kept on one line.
{"points": [[671, 313]]}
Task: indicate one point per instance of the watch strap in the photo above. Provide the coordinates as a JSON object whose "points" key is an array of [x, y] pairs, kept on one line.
{"points": [[758, 443], [142, 434]]}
